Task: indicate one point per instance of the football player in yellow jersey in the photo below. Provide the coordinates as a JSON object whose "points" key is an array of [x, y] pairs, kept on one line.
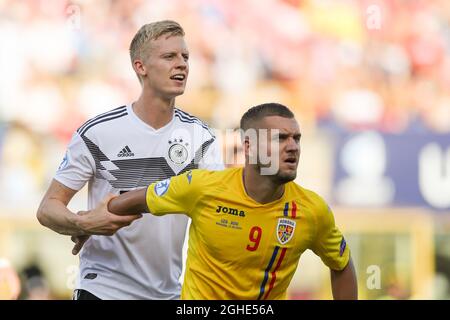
{"points": [[248, 228]]}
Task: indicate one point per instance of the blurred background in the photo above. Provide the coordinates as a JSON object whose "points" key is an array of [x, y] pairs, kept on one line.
{"points": [[369, 82]]}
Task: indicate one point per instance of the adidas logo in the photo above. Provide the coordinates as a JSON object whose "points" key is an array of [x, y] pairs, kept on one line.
{"points": [[125, 152]]}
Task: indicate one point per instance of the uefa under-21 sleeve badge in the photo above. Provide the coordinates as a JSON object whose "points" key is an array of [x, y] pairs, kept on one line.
{"points": [[161, 187], [64, 162]]}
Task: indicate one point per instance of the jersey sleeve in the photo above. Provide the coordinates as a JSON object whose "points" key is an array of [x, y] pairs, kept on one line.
{"points": [[212, 159], [77, 166], [178, 194], [329, 243]]}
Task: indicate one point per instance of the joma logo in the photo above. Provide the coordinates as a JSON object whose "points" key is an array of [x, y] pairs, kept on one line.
{"points": [[232, 211]]}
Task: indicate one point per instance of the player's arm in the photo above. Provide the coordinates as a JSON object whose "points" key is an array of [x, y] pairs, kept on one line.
{"points": [[54, 214], [330, 245], [178, 194], [343, 283], [76, 169], [130, 203]]}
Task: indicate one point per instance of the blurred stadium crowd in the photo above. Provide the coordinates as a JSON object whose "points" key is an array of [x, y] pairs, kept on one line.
{"points": [[63, 62], [359, 64]]}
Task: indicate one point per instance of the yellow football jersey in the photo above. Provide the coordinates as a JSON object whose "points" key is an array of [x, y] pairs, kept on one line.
{"points": [[239, 248]]}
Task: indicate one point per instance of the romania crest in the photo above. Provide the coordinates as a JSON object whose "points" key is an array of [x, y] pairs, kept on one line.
{"points": [[285, 230]]}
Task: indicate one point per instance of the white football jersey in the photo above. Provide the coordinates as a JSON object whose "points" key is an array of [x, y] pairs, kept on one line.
{"points": [[116, 152]]}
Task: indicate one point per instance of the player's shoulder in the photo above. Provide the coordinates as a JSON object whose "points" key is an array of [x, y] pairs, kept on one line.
{"points": [[94, 124], [215, 174], [213, 177], [309, 198], [188, 120]]}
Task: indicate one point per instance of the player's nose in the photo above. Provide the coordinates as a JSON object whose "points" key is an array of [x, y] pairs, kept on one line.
{"points": [[181, 64], [292, 145]]}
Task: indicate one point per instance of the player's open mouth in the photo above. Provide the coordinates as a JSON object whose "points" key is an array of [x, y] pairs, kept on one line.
{"points": [[291, 160], [178, 77]]}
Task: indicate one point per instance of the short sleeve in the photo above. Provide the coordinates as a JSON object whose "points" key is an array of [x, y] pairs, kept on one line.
{"points": [[77, 166], [178, 194], [329, 243], [212, 159]]}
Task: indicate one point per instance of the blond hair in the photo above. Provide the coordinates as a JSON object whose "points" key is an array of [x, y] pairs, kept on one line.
{"points": [[152, 31]]}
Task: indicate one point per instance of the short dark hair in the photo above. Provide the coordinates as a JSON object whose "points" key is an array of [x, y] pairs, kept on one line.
{"points": [[258, 112]]}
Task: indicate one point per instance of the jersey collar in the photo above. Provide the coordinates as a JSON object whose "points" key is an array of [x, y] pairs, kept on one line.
{"points": [[244, 192], [146, 126]]}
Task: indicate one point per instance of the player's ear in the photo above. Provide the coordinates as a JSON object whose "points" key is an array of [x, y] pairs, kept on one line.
{"points": [[251, 150], [246, 144], [139, 67], [249, 141]]}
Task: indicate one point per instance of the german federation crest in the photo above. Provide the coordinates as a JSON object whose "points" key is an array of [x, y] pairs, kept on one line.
{"points": [[285, 230], [178, 153]]}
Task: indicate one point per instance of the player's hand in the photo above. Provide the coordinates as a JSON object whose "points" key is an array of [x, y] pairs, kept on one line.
{"points": [[79, 240], [99, 221], [79, 243]]}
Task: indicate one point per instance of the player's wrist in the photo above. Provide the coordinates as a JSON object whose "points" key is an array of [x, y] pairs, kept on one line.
{"points": [[78, 222]]}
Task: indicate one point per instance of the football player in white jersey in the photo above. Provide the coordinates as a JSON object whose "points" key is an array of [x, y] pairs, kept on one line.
{"points": [[124, 149]]}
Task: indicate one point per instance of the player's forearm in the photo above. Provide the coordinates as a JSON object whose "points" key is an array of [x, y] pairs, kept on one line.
{"points": [[129, 203], [344, 283], [54, 215]]}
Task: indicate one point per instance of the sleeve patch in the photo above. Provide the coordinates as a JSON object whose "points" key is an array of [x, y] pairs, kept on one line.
{"points": [[342, 247], [189, 176], [161, 187], [64, 162]]}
